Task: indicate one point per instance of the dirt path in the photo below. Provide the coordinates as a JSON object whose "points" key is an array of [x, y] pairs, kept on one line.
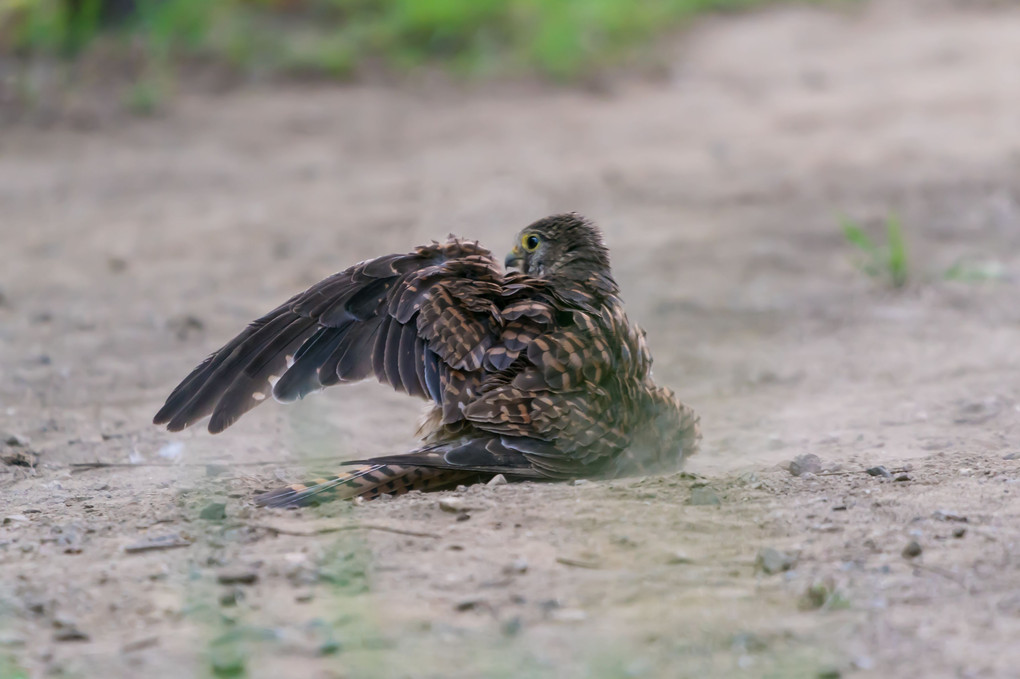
{"points": [[132, 251]]}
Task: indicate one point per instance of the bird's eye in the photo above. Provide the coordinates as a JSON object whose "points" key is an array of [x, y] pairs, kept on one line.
{"points": [[530, 242]]}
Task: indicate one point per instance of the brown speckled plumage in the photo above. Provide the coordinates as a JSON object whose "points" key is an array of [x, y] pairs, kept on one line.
{"points": [[533, 374]]}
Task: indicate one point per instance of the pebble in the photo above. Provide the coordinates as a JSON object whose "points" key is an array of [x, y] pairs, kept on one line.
{"points": [[516, 567], [771, 561], [231, 597], [67, 630], [161, 542], [70, 634], [880, 471], [704, 496], [497, 480], [1011, 456], [805, 464], [15, 518], [17, 440], [959, 532], [454, 505], [214, 511], [469, 604], [946, 515], [20, 458], [912, 549], [678, 558], [237, 576]]}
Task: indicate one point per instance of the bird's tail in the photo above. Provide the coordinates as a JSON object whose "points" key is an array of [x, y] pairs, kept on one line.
{"points": [[368, 481]]}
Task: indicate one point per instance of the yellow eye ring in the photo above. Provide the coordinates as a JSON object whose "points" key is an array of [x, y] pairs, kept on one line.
{"points": [[530, 242]]}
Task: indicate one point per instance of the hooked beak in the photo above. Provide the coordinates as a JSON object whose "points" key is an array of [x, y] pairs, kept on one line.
{"points": [[514, 260]]}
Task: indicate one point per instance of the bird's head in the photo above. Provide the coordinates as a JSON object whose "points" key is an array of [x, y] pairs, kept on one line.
{"points": [[561, 245]]}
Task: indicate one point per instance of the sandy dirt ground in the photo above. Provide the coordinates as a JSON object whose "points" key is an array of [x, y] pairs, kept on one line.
{"points": [[132, 250]]}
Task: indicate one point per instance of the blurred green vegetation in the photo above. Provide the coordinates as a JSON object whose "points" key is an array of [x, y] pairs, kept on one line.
{"points": [[881, 260], [560, 39]]}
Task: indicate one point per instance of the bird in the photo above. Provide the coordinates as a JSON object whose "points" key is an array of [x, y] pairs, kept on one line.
{"points": [[531, 369]]}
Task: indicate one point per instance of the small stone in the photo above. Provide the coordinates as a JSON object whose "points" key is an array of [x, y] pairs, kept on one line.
{"points": [[214, 511], [623, 541], [237, 576], [678, 558], [771, 561], [139, 644], [913, 549], [17, 440], [70, 634], [171, 541], [67, 630], [516, 567], [880, 471], [704, 496], [454, 505], [959, 532], [946, 515], [468, 605], [497, 480], [748, 478], [805, 464], [1011, 456], [901, 478], [231, 597], [15, 518], [21, 457]]}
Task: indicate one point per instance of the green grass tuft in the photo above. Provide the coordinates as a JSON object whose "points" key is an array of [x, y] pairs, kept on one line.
{"points": [[887, 260]]}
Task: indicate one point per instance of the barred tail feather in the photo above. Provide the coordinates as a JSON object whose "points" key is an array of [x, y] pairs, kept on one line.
{"points": [[368, 481]]}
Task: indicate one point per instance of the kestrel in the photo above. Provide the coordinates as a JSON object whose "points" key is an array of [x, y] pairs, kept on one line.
{"points": [[534, 374]]}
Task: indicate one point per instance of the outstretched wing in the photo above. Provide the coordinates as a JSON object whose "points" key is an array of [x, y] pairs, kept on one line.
{"points": [[421, 322]]}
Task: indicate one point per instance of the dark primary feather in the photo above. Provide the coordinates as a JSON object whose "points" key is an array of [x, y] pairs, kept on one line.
{"points": [[534, 374]]}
